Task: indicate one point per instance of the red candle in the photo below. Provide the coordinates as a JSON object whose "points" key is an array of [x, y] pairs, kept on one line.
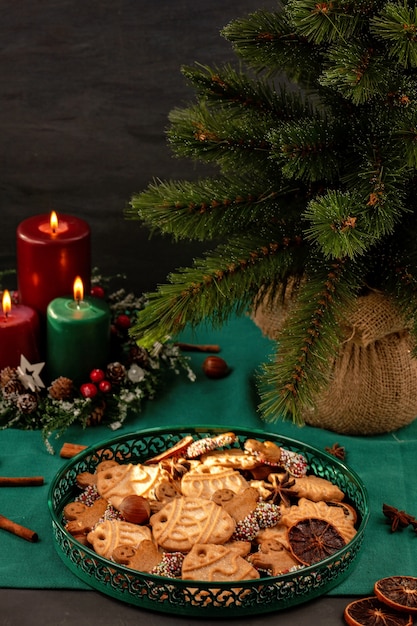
{"points": [[50, 253], [19, 333]]}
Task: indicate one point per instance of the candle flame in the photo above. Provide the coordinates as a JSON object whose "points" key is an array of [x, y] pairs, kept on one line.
{"points": [[78, 289], [53, 221], [6, 302]]}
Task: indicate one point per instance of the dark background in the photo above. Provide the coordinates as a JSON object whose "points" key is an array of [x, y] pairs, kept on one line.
{"points": [[85, 92]]}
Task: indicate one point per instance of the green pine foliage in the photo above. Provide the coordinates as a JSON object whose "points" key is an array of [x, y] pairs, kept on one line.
{"points": [[314, 136]]}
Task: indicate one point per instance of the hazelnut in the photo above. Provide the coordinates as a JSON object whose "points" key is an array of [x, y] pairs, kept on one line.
{"points": [[215, 367], [135, 509]]}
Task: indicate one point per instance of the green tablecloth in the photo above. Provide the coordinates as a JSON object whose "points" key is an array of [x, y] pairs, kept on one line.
{"points": [[387, 465]]}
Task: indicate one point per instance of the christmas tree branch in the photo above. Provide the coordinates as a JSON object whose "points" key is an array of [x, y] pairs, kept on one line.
{"points": [[358, 73], [306, 150], [323, 22], [229, 88], [199, 133], [397, 26], [217, 286], [308, 343], [268, 42], [205, 209]]}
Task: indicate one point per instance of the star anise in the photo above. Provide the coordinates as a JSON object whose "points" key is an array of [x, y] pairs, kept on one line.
{"points": [[282, 488], [398, 519], [337, 451], [177, 467]]}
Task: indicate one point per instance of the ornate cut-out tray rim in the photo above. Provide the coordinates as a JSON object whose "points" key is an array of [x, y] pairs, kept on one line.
{"points": [[263, 595]]}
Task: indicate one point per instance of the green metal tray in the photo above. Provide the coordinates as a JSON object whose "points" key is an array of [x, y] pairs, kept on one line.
{"points": [[202, 599]]}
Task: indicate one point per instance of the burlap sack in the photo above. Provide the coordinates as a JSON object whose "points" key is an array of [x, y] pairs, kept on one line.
{"points": [[271, 309], [373, 382]]}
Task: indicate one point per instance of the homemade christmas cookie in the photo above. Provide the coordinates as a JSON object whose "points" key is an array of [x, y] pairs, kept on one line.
{"points": [[144, 558], [185, 521], [316, 489], [119, 481], [269, 453], [86, 479], [320, 510], [216, 562], [274, 534], [349, 511], [204, 480], [82, 518], [240, 505], [200, 446], [273, 557], [110, 534], [265, 515], [234, 457]]}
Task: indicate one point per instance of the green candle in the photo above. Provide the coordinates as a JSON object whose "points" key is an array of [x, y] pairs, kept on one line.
{"points": [[78, 336]]}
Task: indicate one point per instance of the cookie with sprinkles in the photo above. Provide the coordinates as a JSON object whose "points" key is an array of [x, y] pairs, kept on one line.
{"points": [[207, 444], [145, 558], [170, 565], [265, 515], [269, 453]]}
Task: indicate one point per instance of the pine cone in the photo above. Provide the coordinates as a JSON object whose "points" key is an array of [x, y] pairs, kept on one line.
{"points": [[138, 355], [61, 388], [7, 374], [12, 388], [96, 415], [116, 372], [27, 403]]}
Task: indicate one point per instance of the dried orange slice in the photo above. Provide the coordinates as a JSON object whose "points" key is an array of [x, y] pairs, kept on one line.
{"points": [[313, 539], [372, 612], [398, 592]]}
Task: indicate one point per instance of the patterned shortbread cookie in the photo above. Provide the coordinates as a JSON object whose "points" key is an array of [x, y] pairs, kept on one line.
{"points": [[183, 522], [108, 535]]}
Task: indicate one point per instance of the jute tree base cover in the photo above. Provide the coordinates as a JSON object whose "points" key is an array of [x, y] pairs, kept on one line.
{"points": [[373, 382]]}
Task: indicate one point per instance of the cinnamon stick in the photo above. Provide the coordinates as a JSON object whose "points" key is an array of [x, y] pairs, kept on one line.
{"points": [[17, 529], [69, 450], [193, 347], [21, 481]]}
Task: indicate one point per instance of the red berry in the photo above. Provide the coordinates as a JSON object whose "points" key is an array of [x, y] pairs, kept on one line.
{"points": [[104, 386], [97, 291], [122, 321], [88, 390], [97, 375]]}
